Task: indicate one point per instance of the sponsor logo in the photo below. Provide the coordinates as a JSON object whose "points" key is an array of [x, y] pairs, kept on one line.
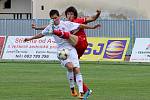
{"points": [[114, 49]]}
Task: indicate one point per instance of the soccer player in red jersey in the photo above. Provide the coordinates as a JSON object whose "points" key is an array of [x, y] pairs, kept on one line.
{"points": [[78, 37], [79, 40]]}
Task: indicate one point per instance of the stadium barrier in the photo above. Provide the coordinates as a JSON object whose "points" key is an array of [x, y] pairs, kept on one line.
{"points": [[141, 50], [99, 49], [109, 28]]}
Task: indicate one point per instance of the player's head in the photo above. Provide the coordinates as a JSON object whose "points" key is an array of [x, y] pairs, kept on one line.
{"points": [[54, 14], [71, 13]]}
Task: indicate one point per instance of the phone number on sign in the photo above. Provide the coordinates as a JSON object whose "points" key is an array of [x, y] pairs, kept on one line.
{"points": [[32, 56]]}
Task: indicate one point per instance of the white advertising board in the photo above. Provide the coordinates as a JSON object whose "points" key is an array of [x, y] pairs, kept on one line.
{"points": [[141, 50], [39, 49]]}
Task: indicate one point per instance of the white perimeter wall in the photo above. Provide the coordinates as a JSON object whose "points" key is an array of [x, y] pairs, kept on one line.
{"points": [[129, 8], [17, 6]]}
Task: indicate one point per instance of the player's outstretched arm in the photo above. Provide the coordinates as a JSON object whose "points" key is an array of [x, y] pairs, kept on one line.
{"points": [[94, 17], [40, 35], [85, 26], [38, 28]]}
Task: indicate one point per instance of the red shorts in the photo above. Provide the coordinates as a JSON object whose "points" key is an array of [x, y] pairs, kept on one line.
{"points": [[81, 45]]}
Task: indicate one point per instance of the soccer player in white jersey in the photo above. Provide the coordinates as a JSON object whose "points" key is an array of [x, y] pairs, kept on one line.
{"points": [[72, 61]]}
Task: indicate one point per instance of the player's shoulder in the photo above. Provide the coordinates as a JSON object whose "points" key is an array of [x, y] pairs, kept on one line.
{"points": [[65, 22], [80, 20]]}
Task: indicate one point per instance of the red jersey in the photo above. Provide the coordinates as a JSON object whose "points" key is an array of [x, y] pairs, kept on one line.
{"points": [[82, 41], [80, 21]]}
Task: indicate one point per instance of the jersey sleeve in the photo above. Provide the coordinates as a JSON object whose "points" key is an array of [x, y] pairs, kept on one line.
{"points": [[47, 30]]}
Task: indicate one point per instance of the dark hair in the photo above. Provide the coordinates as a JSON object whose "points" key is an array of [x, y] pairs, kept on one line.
{"points": [[53, 12], [72, 9]]}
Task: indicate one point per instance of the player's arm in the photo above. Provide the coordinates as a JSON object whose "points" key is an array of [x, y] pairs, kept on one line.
{"points": [[85, 26], [38, 28], [46, 31], [40, 35], [94, 17]]}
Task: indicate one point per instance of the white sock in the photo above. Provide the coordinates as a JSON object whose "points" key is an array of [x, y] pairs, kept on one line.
{"points": [[70, 76], [79, 81]]}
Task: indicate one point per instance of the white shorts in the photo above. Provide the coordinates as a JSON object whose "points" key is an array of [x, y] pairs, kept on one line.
{"points": [[73, 57]]}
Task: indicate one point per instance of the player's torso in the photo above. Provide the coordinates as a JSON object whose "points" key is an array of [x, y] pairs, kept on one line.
{"points": [[81, 32], [60, 41]]}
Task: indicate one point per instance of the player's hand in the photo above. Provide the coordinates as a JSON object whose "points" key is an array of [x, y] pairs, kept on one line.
{"points": [[98, 11], [96, 26], [26, 39], [33, 26]]}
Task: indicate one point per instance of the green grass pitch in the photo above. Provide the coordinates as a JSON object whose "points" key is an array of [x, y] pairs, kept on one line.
{"points": [[43, 81]]}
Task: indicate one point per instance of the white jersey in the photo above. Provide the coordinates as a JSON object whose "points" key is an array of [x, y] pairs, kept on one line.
{"points": [[65, 26]]}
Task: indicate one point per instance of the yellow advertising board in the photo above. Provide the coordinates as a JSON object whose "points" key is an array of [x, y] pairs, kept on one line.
{"points": [[106, 49]]}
